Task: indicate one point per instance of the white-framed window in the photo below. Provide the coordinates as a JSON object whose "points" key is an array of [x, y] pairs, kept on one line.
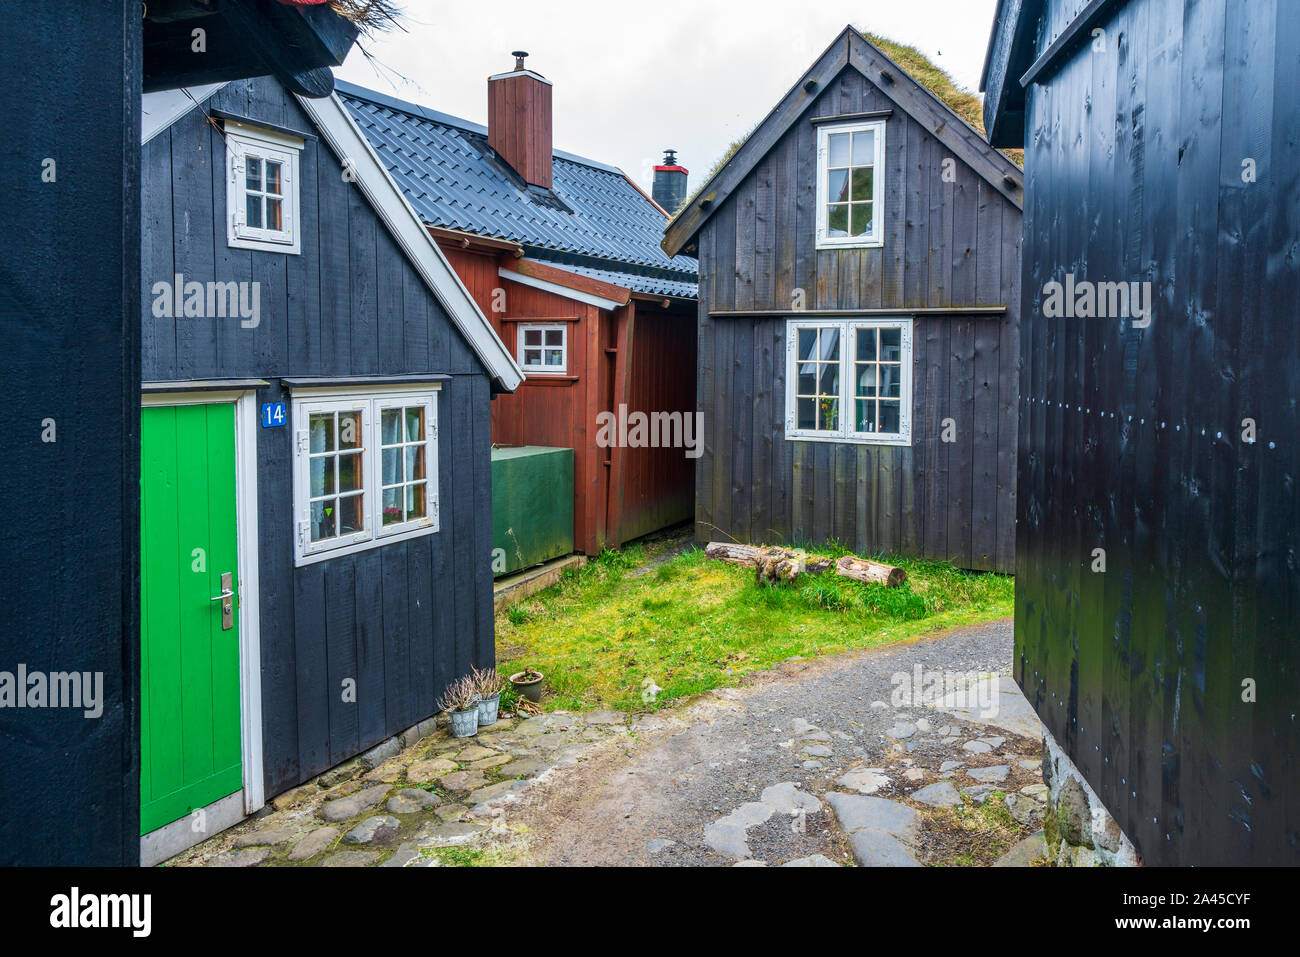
{"points": [[365, 470], [543, 347], [262, 189], [851, 184], [849, 380]]}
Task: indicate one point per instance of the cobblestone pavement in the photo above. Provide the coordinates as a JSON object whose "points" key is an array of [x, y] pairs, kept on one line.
{"points": [[818, 763], [822, 762], [422, 805]]}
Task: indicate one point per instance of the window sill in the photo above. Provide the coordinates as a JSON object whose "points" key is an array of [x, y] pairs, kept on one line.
{"points": [[365, 546], [831, 244], [547, 378], [265, 246], [902, 441]]}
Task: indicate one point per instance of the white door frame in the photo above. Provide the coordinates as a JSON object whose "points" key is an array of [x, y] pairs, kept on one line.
{"points": [[250, 643]]}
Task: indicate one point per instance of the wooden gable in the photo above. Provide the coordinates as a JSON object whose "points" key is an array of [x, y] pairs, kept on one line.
{"points": [[850, 50]]}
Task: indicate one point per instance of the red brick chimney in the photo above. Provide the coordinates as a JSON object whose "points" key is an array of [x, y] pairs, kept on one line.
{"points": [[519, 121]]}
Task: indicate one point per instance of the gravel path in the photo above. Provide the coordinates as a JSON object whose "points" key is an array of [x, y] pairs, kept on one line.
{"points": [[853, 759], [743, 775]]}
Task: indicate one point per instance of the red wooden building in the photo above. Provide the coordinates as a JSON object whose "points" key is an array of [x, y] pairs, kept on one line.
{"points": [[562, 254]]}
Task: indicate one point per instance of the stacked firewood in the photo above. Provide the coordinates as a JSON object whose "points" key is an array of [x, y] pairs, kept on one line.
{"points": [[784, 565]]}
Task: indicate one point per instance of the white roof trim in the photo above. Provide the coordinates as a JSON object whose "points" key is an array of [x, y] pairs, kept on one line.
{"points": [[558, 290], [161, 109], [347, 141]]}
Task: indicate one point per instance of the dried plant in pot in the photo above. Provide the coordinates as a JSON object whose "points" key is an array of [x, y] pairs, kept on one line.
{"points": [[489, 685], [460, 702], [528, 683]]}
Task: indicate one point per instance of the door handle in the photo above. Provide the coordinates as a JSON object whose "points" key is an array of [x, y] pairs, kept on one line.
{"points": [[227, 599]]}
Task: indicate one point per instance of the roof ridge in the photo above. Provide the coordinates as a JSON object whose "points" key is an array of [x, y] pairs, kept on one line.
{"points": [[843, 54], [344, 88], [921, 86]]}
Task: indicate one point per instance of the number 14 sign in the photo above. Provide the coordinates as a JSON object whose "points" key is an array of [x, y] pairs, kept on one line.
{"points": [[272, 414]]}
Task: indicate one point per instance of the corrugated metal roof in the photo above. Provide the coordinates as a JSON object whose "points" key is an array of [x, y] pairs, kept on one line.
{"points": [[455, 180]]}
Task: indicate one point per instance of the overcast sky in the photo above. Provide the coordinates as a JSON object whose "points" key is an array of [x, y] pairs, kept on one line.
{"points": [[633, 78]]}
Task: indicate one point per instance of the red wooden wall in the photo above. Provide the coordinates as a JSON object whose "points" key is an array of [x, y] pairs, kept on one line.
{"points": [[619, 494], [657, 485]]}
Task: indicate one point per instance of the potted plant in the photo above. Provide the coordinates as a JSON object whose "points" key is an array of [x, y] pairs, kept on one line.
{"points": [[488, 684], [528, 683], [460, 701]]}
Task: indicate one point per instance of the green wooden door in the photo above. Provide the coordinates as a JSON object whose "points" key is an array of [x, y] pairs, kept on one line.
{"points": [[189, 712]]}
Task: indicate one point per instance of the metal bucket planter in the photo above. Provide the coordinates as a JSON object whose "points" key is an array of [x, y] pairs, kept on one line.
{"points": [[487, 709], [530, 689], [464, 724]]}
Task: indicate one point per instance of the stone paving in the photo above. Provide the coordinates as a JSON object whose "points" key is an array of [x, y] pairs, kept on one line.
{"points": [[816, 764], [884, 832], [406, 807]]}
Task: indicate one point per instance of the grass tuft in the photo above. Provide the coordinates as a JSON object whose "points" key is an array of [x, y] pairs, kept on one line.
{"points": [[606, 637]]}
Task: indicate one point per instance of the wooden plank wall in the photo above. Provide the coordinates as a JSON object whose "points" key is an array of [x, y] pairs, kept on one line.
{"points": [[1131, 440], [656, 485], [68, 300], [401, 620], [946, 244], [551, 411]]}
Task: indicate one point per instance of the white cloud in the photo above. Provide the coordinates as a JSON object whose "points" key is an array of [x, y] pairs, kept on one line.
{"points": [[631, 79]]}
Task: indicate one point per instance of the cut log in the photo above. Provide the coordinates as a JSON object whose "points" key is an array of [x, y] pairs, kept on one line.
{"points": [[779, 566], [746, 555], [865, 570]]}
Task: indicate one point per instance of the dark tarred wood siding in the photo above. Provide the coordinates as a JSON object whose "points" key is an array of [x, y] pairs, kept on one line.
{"points": [[948, 244], [1131, 439], [403, 619]]}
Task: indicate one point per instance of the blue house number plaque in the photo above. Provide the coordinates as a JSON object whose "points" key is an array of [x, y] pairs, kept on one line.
{"points": [[272, 414]]}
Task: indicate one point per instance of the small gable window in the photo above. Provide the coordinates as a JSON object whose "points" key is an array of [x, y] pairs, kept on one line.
{"points": [[262, 189], [542, 348], [850, 184], [849, 380]]}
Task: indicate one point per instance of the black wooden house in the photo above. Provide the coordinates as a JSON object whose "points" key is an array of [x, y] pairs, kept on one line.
{"points": [[69, 302], [858, 319], [1156, 577], [316, 454]]}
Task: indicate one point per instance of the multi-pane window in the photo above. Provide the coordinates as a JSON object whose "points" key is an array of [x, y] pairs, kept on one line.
{"points": [[264, 192], [817, 379], [878, 379], [850, 184], [404, 454], [542, 347], [336, 468], [261, 189], [849, 380], [365, 470]]}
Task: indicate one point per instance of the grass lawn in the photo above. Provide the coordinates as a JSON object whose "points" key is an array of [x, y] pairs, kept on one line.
{"points": [[692, 624]]}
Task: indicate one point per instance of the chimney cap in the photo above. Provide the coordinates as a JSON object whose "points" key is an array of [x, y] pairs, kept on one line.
{"points": [[670, 157], [520, 56]]}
